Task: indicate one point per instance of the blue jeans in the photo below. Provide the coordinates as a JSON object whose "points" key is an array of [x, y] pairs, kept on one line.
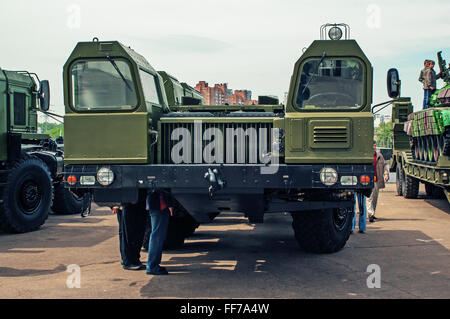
{"points": [[427, 93], [160, 223], [362, 212]]}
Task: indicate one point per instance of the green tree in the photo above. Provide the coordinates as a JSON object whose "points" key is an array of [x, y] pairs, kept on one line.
{"points": [[52, 129], [383, 134]]}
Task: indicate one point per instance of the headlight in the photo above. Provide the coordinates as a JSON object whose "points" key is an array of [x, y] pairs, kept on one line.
{"points": [[105, 176], [349, 180], [335, 33], [328, 176], [87, 180]]}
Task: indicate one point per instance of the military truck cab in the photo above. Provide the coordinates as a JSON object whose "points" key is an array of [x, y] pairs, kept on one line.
{"points": [[31, 164], [308, 157], [328, 112]]}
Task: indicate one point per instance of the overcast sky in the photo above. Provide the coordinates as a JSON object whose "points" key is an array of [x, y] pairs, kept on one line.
{"points": [[249, 44]]}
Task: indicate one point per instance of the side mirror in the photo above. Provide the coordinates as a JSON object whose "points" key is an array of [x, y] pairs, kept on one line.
{"points": [[44, 95], [393, 83]]}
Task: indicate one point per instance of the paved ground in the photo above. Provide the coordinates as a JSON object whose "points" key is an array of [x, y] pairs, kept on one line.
{"points": [[231, 259]]}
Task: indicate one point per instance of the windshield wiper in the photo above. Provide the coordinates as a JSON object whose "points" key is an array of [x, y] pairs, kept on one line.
{"points": [[317, 70], [118, 71]]}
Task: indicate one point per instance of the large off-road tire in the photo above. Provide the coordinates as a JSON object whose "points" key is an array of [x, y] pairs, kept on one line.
{"points": [[410, 186], [324, 231], [433, 191], [66, 202], [398, 179], [429, 189], [27, 196]]}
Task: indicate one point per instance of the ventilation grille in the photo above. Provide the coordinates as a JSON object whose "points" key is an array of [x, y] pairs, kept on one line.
{"points": [[246, 147], [331, 135]]}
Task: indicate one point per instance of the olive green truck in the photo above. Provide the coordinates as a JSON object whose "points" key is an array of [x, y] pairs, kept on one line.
{"points": [[31, 164], [421, 140], [125, 135]]}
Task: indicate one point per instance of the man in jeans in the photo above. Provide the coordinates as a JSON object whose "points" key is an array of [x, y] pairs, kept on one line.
{"points": [[361, 200], [160, 206]]}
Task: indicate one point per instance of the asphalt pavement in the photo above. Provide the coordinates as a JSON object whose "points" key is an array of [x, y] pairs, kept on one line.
{"points": [[404, 254]]}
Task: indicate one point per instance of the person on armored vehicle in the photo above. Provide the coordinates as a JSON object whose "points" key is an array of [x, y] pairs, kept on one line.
{"points": [[429, 83]]}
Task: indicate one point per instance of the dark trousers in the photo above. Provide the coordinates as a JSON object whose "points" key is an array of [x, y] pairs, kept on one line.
{"points": [[132, 221]]}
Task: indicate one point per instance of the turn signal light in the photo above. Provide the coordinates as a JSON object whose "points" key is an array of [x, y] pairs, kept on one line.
{"points": [[71, 180], [365, 180]]}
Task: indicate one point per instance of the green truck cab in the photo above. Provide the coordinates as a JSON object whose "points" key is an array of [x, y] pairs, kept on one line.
{"points": [[31, 164], [308, 157], [421, 140]]}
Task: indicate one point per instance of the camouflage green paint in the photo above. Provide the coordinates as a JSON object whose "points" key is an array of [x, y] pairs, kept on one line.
{"points": [[357, 125], [13, 83], [173, 88], [116, 137], [123, 137], [192, 92]]}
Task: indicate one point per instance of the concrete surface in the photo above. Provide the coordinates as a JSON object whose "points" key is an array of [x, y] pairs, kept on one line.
{"points": [[232, 259]]}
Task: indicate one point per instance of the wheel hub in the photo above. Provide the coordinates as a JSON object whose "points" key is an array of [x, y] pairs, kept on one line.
{"points": [[30, 196], [339, 218]]}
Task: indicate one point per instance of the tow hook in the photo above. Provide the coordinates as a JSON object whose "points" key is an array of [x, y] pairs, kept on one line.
{"points": [[215, 180]]}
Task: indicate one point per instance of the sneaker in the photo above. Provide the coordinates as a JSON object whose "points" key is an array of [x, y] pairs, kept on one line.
{"points": [[361, 231], [134, 267], [161, 271], [372, 219]]}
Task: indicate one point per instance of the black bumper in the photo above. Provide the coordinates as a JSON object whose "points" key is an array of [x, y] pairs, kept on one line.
{"points": [[239, 179]]}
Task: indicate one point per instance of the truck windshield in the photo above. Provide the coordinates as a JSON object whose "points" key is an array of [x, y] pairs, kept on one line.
{"points": [[334, 83], [103, 85]]}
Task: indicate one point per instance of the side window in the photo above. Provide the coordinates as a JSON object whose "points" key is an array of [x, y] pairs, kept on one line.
{"points": [[149, 86], [20, 102]]}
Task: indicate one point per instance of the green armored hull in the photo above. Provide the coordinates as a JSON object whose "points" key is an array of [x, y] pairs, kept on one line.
{"points": [[429, 132], [441, 97]]}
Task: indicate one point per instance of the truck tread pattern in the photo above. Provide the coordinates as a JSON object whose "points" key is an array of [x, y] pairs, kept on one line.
{"points": [[12, 219], [410, 186], [316, 233]]}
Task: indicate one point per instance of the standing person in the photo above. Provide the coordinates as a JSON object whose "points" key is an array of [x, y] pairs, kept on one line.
{"points": [[381, 176], [361, 199], [131, 218], [160, 207], [429, 84], [422, 72]]}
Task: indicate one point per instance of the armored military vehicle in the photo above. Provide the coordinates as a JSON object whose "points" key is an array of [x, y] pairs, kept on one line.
{"points": [[31, 164], [308, 157], [421, 140]]}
